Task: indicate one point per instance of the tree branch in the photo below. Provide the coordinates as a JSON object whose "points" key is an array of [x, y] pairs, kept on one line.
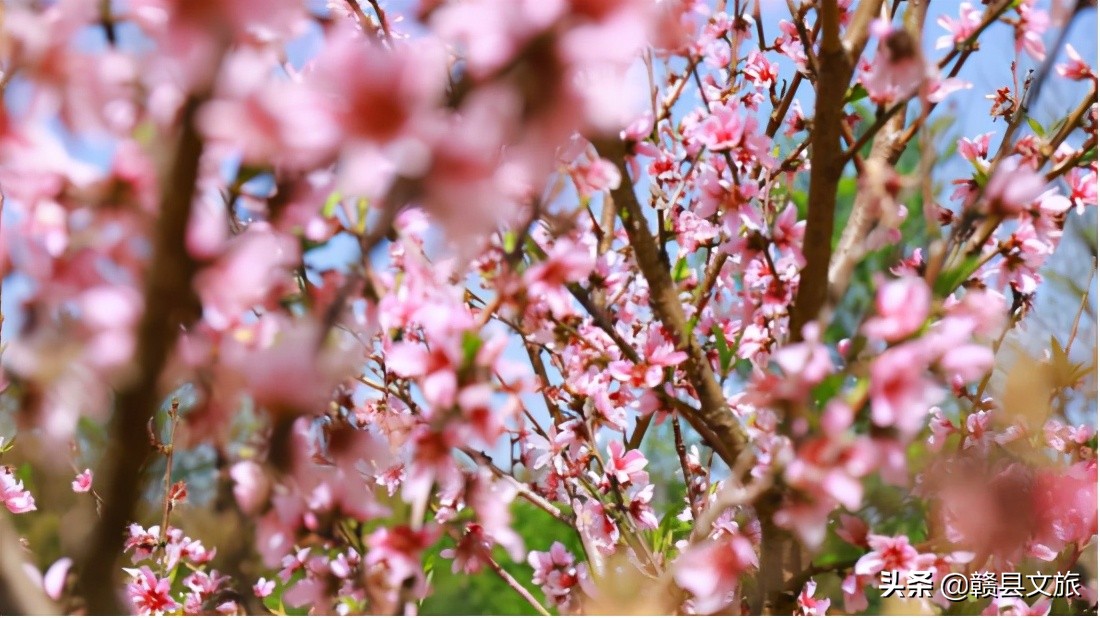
{"points": [[716, 423], [849, 250], [515, 585], [885, 153], [826, 166], [859, 30], [169, 302]]}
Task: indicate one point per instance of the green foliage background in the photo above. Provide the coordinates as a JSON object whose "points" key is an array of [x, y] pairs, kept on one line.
{"points": [[484, 593]]}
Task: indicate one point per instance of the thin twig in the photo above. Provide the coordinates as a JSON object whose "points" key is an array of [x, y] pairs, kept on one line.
{"points": [[515, 585], [1081, 309], [169, 456], [681, 453], [383, 23], [525, 492]]}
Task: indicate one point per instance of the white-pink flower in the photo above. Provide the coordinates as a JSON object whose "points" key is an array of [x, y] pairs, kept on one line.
{"points": [[53, 581], [888, 554], [250, 485], [1013, 187], [625, 466], [961, 29], [901, 393], [808, 605], [597, 526], [82, 484], [1076, 68], [12, 493], [902, 306], [712, 571], [149, 594], [399, 549], [557, 574], [263, 587]]}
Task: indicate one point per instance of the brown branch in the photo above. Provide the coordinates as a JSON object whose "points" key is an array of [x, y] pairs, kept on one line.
{"points": [[859, 30], [861, 221], [681, 454], [759, 25], [383, 23], [170, 457], [1073, 121], [876, 127], [715, 422], [601, 319], [733, 494], [780, 114], [365, 20], [826, 166], [1080, 309], [1032, 86], [798, 15], [1073, 161], [521, 488], [397, 196], [640, 430], [884, 155], [834, 70], [169, 302], [710, 279], [918, 14], [515, 585], [675, 91], [795, 585]]}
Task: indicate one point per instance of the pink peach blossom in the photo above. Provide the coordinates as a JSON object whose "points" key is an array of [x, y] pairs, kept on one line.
{"points": [[12, 494], [711, 572], [82, 484]]}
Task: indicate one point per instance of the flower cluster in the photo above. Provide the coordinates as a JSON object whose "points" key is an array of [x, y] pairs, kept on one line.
{"points": [[704, 285]]}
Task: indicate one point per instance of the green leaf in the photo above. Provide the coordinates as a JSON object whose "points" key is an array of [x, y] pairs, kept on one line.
{"points": [[471, 344], [1057, 353], [858, 391], [1057, 126], [801, 202], [689, 327], [950, 280], [145, 133], [827, 389], [485, 593], [669, 531], [681, 270], [247, 173], [1035, 126], [725, 353], [856, 93], [361, 207], [331, 203], [743, 367], [508, 243]]}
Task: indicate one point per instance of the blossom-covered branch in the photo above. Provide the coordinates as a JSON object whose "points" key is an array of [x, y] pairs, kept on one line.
{"points": [[512, 306]]}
